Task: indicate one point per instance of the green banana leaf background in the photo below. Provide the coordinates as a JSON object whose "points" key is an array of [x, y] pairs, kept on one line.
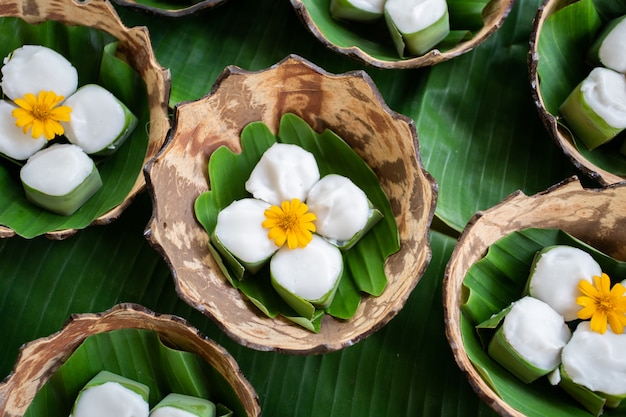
{"points": [[479, 135]]}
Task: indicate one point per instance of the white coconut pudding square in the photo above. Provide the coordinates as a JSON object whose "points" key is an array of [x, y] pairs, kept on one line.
{"points": [[60, 178], [100, 123]]}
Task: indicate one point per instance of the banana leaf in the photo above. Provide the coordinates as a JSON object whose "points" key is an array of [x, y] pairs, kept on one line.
{"points": [[170, 8], [495, 281], [140, 356], [92, 52], [363, 264], [164, 5], [610, 9], [565, 38]]}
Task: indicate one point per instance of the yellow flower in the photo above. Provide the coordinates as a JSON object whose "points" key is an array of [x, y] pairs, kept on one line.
{"points": [[40, 114], [291, 223], [602, 304]]}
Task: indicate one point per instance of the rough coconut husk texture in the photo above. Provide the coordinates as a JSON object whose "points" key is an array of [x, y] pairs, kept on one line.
{"points": [[352, 107], [193, 7]]}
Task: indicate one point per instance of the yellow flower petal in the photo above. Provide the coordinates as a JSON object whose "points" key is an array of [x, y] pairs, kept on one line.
{"points": [[587, 288], [618, 290], [303, 235], [603, 283], [308, 217], [269, 223], [277, 236], [37, 129], [587, 312], [22, 118], [25, 105], [617, 322], [598, 322], [292, 239], [51, 128], [61, 113], [310, 227]]}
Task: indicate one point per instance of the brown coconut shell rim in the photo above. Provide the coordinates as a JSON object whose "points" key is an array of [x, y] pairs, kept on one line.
{"points": [[318, 348], [194, 8]]}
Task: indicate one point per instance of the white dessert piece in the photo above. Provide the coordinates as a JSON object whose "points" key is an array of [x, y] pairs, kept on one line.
{"points": [[341, 207], [311, 273], [57, 170], [60, 178], [13, 142], [536, 332], [284, 172], [611, 51], [35, 68], [239, 229], [604, 91], [595, 110], [422, 23], [109, 395], [412, 16], [555, 275], [99, 123], [180, 405], [110, 399], [358, 10], [374, 6], [554, 377], [596, 361]]}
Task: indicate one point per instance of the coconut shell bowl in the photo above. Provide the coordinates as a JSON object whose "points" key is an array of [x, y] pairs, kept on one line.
{"points": [[84, 32], [172, 8], [558, 61], [596, 217], [348, 105], [119, 331], [370, 43]]}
